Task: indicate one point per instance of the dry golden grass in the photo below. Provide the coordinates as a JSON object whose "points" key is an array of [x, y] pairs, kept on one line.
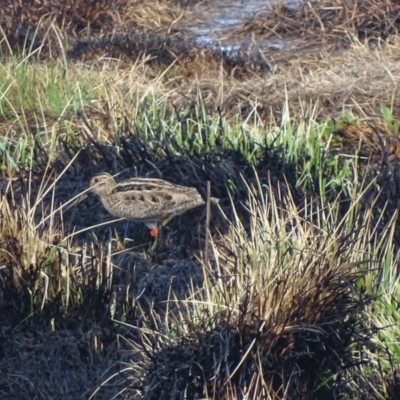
{"points": [[324, 82], [326, 21]]}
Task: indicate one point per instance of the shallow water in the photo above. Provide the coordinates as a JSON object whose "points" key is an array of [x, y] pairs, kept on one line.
{"points": [[215, 19]]}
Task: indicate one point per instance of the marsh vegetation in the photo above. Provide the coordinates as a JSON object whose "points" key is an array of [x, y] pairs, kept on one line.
{"points": [[289, 289]]}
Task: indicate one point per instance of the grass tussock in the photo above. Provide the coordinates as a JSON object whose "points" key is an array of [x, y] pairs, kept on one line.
{"points": [[280, 314]]}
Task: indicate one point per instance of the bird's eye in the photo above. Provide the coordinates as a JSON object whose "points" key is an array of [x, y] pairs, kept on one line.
{"points": [[96, 180]]}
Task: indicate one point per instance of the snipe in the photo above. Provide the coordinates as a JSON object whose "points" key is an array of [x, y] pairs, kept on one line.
{"points": [[151, 201]]}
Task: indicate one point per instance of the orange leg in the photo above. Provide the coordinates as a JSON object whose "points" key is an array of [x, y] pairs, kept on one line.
{"points": [[154, 232]]}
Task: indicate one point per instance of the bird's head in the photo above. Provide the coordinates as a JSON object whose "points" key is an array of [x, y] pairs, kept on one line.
{"points": [[102, 184]]}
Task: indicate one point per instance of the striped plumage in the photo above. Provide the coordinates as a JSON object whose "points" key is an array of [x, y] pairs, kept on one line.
{"points": [[147, 200]]}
